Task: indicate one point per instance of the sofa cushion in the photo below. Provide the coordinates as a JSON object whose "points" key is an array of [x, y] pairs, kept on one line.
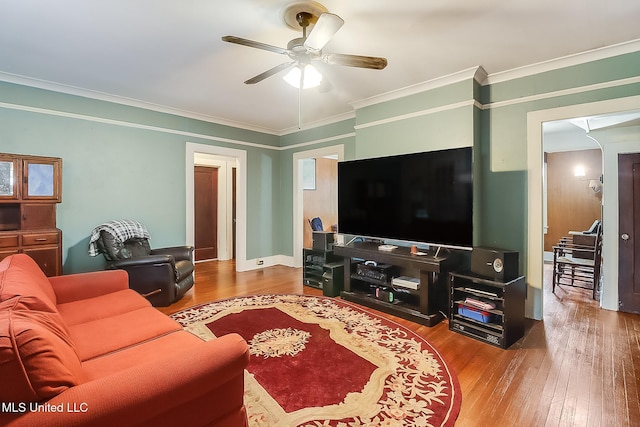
{"points": [[36, 354], [153, 350], [23, 277], [117, 332], [101, 307]]}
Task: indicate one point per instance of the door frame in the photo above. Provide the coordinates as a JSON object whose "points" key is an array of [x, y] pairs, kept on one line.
{"points": [[241, 195], [535, 246], [224, 214], [298, 194]]}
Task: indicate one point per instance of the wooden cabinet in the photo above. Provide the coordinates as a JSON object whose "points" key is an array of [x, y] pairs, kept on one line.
{"points": [[30, 188]]}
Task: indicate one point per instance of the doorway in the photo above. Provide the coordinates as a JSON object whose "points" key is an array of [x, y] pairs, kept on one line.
{"points": [[214, 218], [300, 224], [320, 194], [232, 170], [535, 223], [206, 212], [572, 161]]}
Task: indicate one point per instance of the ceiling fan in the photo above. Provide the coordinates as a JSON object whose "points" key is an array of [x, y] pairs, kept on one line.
{"points": [[308, 48]]}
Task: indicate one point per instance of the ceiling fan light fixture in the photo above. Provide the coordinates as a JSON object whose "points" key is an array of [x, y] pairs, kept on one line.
{"points": [[312, 77]]}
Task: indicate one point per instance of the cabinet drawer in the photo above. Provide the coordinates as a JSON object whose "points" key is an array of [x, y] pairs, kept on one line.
{"points": [[39, 239], [9, 241], [6, 253]]}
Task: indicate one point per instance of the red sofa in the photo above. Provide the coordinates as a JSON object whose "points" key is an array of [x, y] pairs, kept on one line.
{"points": [[85, 350]]}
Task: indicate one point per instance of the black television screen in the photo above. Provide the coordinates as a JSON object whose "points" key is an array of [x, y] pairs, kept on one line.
{"points": [[419, 198]]}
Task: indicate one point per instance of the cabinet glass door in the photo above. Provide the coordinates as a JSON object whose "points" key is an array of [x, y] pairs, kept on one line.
{"points": [[41, 180], [8, 181]]}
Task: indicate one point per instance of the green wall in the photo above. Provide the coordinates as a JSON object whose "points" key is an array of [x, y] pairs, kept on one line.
{"points": [[436, 119], [339, 133], [504, 134], [126, 162]]}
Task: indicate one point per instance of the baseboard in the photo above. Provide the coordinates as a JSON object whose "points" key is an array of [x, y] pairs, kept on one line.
{"points": [[258, 263]]}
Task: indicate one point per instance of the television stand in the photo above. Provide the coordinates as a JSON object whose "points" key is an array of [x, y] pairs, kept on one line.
{"points": [[427, 305], [364, 240]]}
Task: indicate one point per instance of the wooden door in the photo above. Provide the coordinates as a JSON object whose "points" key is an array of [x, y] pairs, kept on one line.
{"points": [[206, 212], [629, 232]]}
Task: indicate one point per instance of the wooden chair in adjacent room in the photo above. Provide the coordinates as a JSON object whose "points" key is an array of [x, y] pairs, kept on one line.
{"points": [[577, 260]]}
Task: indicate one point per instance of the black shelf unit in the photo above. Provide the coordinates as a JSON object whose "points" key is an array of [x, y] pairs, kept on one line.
{"points": [[323, 270], [503, 325], [426, 305]]}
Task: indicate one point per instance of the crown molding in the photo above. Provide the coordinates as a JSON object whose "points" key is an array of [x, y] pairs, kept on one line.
{"points": [[478, 73], [563, 62], [130, 102], [311, 125]]}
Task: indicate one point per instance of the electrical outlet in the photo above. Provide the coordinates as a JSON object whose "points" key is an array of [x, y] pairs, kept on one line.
{"points": [[260, 262]]}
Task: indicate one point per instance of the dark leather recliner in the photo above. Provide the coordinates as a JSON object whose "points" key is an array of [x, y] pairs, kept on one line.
{"points": [[163, 276]]}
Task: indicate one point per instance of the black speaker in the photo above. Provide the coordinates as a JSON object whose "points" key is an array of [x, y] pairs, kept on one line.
{"points": [[333, 279], [495, 264], [323, 240]]}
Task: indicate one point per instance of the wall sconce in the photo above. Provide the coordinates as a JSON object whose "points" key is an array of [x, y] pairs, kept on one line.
{"points": [[595, 185]]}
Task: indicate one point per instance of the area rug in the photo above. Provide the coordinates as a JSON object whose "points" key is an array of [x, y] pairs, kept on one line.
{"points": [[319, 361]]}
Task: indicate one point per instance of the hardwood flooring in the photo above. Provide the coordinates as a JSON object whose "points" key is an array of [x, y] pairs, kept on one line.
{"points": [[580, 366]]}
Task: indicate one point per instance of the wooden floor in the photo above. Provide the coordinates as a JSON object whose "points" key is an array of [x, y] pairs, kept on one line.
{"points": [[578, 367]]}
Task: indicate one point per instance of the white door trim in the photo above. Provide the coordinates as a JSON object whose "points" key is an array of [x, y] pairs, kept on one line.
{"points": [[535, 243], [241, 195]]}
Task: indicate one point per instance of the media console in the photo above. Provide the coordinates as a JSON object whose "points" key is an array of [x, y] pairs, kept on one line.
{"points": [[423, 301]]}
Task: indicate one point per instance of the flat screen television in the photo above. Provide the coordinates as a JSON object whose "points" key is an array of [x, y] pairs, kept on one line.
{"points": [[418, 198]]}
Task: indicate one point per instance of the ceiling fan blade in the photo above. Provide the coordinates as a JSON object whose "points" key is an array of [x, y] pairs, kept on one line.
{"points": [[328, 24], [257, 45], [373, 62], [275, 70]]}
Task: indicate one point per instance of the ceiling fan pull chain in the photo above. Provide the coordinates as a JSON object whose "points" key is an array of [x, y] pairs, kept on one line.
{"points": [[300, 98]]}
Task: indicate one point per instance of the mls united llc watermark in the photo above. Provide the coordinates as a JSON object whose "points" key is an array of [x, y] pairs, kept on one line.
{"points": [[23, 407]]}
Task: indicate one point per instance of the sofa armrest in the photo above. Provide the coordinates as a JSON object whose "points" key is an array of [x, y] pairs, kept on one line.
{"points": [[208, 382], [178, 252], [74, 287]]}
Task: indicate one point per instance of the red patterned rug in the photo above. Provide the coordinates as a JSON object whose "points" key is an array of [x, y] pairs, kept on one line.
{"points": [[318, 361]]}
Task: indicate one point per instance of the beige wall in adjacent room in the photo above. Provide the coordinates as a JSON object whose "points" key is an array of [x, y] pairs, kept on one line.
{"points": [[571, 204], [323, 201]]}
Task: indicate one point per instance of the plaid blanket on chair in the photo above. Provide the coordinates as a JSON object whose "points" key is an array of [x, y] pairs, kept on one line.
{"points": [[122, 230]]}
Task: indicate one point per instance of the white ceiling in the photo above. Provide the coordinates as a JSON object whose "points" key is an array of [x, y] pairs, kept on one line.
{"points": [[168, 52]]}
